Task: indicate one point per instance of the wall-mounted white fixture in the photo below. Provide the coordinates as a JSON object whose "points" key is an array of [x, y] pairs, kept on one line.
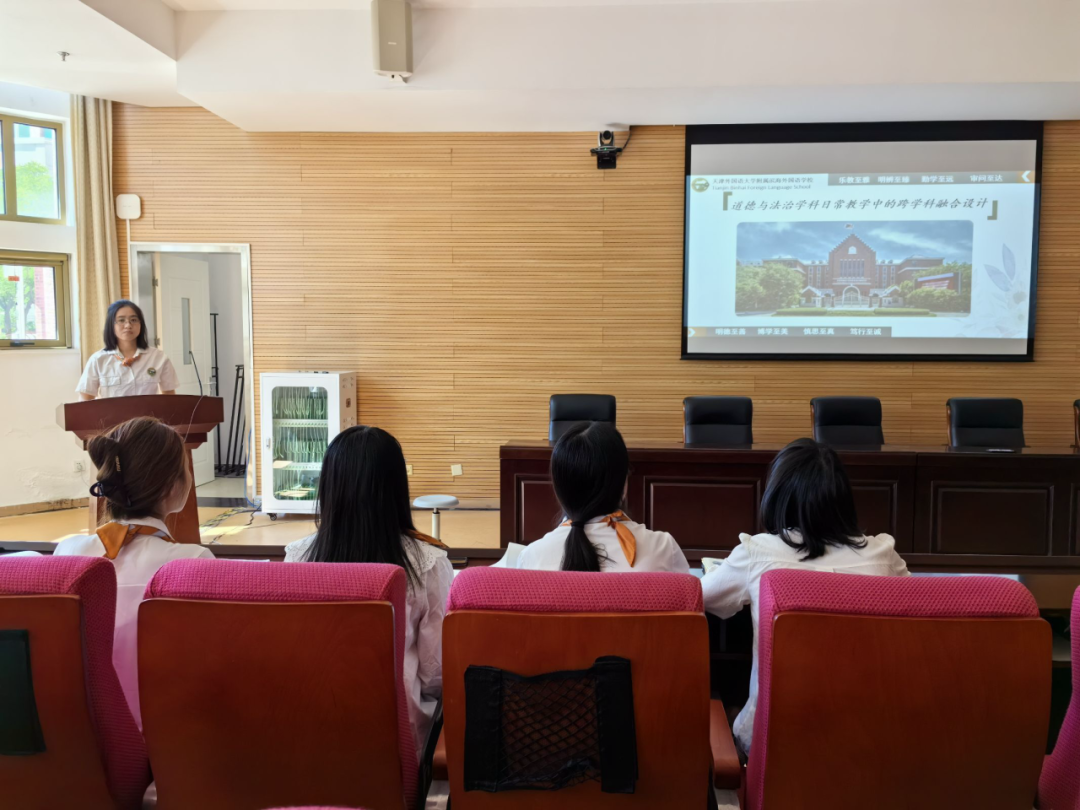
{"points": [[128, 206], [391, 38]]}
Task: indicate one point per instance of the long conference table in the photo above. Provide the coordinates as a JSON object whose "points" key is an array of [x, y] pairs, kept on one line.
{"points": [[958, 510]]}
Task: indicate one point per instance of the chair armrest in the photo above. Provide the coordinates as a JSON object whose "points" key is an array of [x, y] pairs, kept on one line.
{"points": [[727, 770], [439, 771]]}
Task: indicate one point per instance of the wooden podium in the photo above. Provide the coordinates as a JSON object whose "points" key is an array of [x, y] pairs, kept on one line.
{"points": [[191, 416]]}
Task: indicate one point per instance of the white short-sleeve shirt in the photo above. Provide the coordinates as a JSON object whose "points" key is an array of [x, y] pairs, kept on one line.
{"points": [[655, 551], [106, 375], [135, 564]]}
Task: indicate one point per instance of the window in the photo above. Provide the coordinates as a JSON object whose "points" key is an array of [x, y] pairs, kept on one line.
{"points": [[851, 268], [34, 300], [31, 170]]}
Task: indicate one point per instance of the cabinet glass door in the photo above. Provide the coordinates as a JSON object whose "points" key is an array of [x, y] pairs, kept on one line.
{"points": [[300, 436]]}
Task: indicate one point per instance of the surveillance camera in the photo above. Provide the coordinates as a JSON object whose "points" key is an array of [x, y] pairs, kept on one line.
{"points": [[606, 151]]}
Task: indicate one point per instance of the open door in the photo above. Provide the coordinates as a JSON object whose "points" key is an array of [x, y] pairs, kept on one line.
{"points": [[182, 300]]}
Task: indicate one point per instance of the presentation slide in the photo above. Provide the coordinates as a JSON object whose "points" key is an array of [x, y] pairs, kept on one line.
{"points": [[866, 249]]}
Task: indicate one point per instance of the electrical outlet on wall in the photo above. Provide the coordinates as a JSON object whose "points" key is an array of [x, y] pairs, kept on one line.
{"points": [[79, 467], [408, 469], [455, 469]]}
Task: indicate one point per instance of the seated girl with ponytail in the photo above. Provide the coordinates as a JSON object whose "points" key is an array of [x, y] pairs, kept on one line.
{"points": [[365, 516], [589, 465], [143, 477]]}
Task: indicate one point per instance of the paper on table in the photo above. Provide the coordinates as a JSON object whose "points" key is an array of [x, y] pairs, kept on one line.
{"points": [[510, 558], [709, 563]]}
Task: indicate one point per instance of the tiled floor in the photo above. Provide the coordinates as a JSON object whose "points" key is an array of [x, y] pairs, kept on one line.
{"points": [[222, 488], [460, 528]]}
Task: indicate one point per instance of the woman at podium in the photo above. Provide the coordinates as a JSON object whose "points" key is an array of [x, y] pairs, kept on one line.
{"points": [[127, 366]]}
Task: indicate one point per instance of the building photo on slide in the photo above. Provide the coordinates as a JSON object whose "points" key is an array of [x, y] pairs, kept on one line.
{"points": [[788, 268]]}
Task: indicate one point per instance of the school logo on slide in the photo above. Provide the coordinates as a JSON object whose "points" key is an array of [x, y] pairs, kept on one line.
{"points": [[700, 184]]}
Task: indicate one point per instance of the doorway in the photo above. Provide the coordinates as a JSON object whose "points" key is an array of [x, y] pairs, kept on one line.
{"points": [[197, 301]]}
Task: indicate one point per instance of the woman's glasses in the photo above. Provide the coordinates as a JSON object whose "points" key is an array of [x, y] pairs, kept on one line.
{"points": [[132, 321]]}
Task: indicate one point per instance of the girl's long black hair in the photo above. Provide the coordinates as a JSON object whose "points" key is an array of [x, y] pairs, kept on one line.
{"points": [[808, 492], [363, 513], [589, 465]]}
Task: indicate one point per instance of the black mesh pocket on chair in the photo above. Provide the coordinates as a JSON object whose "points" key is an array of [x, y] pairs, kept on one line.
{"points": [[550, 731], [20, 727]]}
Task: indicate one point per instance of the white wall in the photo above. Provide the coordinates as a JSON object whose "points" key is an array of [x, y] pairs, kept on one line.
{"points": [[37, 458]]}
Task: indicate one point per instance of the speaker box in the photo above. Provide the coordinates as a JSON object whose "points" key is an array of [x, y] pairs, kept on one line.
{"points": [[391, 38]]}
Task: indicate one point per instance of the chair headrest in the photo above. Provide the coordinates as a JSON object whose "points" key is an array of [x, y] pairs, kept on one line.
{"points": [[985, 412], [901, 597], [508, 589], [718, 410], [847, 411], [582, 407], [254, 581], [54, 575]]}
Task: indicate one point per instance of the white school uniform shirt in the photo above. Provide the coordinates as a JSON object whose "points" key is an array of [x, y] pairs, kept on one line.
{"points": [[135, 564], [655, 551], [736, 583], [425, 606], [106, 375]]}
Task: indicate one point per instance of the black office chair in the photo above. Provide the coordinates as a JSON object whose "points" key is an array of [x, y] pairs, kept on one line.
{"points": [[718, 420], [985, 422], [847, 420], [568, 409]]}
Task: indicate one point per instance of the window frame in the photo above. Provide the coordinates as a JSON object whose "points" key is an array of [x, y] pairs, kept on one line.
{"points": [[60, 262], [10, 187]]}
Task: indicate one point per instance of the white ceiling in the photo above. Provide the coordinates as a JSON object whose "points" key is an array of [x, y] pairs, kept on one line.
{"points": [[106, 60], [528, 65], [316, 5]]}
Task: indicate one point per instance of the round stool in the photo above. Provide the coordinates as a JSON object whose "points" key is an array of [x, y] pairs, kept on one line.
{"points": [[435, 503]]}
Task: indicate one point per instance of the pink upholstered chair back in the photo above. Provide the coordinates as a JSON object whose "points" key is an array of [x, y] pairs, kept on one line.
{"points": [[93, 749], [294, 670], [535, 622], [515, 591], [1059, 785], [890, 692]]}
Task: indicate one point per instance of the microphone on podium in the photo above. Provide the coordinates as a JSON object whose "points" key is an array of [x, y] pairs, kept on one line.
{"points": [[197, 375]]}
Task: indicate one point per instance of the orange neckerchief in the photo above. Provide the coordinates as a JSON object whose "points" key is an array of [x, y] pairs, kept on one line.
{"points": [[128, 362], [427, 538], [626, 537], [114, 536]]}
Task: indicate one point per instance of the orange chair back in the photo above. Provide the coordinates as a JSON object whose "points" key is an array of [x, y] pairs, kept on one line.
{"points": [[71, 764], [911, 709], [57, 616], [669, 655], [254, 704]]}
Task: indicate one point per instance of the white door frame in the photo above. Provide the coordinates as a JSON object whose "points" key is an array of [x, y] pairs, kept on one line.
{"points": [[244, 251]]}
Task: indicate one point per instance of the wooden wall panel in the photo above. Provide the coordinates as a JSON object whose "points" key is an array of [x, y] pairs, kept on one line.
{"points": [[466, 277]]}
